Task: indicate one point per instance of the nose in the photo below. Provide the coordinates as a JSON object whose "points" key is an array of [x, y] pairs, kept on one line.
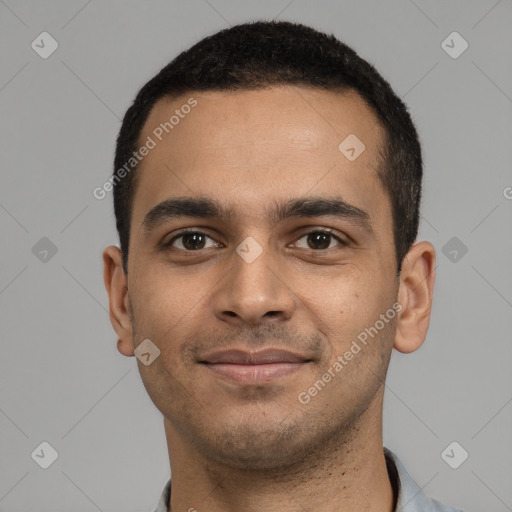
{"points": [[255, 291]]}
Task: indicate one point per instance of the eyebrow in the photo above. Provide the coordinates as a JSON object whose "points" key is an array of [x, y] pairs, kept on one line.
{"points": [[206, 207]]}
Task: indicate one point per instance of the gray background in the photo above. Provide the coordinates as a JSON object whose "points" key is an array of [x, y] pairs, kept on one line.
{"points": [[61, 377]]}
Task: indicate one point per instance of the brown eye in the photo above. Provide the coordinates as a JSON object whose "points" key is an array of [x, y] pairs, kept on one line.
{"points": [[320, 240], [191, 241]]}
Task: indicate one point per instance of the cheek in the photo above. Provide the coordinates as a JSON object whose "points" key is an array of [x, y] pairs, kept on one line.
{"points": [[158, 308], [350, 305], [346, 295], [162, 294]]}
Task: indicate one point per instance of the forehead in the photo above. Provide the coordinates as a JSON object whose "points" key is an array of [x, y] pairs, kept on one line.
{"points": [[247, 148]]}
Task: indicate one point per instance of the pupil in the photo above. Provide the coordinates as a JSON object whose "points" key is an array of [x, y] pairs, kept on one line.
{"points": [[194, 237], [321, 239]]}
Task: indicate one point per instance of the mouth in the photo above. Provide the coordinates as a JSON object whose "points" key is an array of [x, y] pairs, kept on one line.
{"points": [[254, 367]]}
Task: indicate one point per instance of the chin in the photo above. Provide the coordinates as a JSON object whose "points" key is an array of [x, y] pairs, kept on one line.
{"points": [[253, 446]]}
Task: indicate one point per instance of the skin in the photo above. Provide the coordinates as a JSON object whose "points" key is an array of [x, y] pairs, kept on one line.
{"points": [[256, 447]]}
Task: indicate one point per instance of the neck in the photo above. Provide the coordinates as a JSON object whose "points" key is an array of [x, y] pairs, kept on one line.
{"points": [[348, 475]]}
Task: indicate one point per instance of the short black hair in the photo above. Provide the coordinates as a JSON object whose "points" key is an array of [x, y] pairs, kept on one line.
{"points": [[263, 54]]}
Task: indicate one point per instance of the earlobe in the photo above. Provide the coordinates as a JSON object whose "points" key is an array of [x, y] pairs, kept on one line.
{"points": [[415, 296], [116, 286]]}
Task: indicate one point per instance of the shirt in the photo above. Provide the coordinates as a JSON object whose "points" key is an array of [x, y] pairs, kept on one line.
{"points": [[410, 497]]}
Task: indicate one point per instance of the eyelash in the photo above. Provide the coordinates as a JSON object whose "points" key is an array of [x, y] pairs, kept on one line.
{"points": [[168, 244]]}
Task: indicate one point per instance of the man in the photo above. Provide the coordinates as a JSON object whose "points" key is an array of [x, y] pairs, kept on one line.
{"points": [[267, 187]]}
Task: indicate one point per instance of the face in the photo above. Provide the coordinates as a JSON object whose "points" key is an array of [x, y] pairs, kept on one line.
{"points": [[258, 290]]}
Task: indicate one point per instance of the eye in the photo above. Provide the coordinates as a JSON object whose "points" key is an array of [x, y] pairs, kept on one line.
{"points": [[320, 240], [190, 241], [317, 240]]}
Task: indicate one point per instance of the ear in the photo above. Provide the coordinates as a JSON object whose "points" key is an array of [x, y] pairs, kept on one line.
{"points": [[119, 305], [415, 295]]}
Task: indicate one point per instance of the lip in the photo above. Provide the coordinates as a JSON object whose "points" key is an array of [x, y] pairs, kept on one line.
{"points": [[254, 367], [244, 357]]}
